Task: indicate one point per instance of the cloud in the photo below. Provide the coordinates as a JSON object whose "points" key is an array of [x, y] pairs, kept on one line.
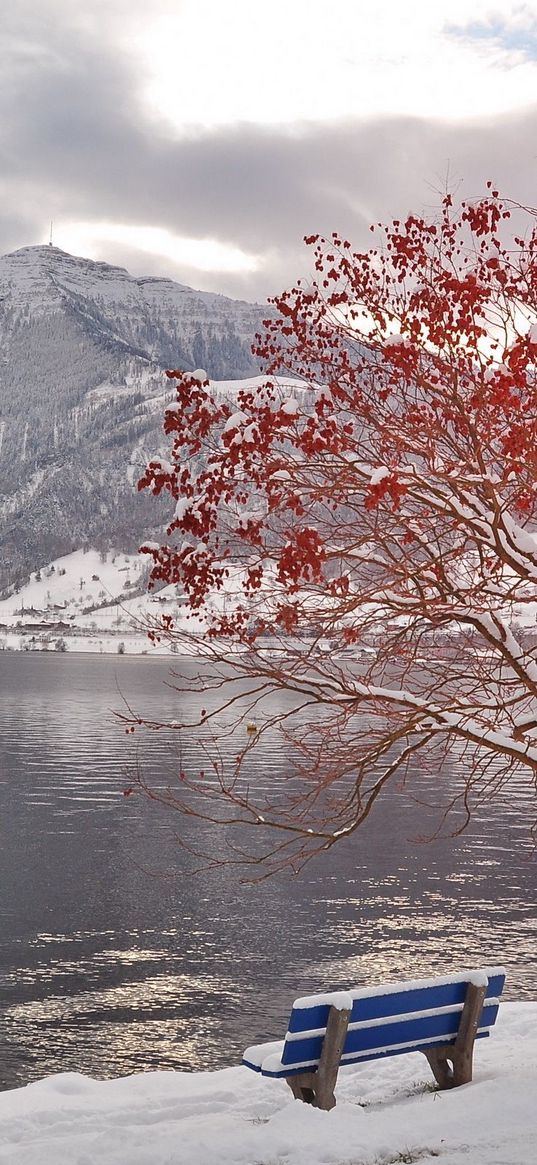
{"points": [[211, 63], [78, 144], [515, 37], [199, 254]]}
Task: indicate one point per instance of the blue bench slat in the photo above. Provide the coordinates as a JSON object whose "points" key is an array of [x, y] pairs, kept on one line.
{"points": [[392, 1003], [364, 1058], [383, 1035]]}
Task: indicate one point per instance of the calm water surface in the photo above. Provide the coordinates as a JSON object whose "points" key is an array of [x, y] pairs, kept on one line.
{"points": [[114, 959]]}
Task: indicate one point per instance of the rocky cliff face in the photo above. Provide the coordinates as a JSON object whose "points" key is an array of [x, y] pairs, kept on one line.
{"points": [[82, 349]]}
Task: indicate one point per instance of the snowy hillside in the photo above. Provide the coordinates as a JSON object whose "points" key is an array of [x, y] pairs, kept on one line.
{"points": [[98, 601], [85, 601], [83, 346]]}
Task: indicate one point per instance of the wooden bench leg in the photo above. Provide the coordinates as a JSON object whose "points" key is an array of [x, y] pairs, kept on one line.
{"points": [[318, 1087], [441, 1069], [462, 1051], [303, 1086]]}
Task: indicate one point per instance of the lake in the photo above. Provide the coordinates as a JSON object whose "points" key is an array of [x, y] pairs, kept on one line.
{"points": [[114, 958]]}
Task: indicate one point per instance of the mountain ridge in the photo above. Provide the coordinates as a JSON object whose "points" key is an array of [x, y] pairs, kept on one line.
{"points": [[50, 255]]}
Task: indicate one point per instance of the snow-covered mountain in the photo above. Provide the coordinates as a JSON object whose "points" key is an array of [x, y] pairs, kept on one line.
{"points": [[83, 346]]}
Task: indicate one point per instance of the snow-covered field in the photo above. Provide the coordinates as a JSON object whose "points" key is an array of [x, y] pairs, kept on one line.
{"points": [[386, 1112], [93, 602], [82, 602]]}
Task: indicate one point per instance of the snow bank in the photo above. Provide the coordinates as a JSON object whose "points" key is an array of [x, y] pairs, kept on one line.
{"points": [[386, 1112]]}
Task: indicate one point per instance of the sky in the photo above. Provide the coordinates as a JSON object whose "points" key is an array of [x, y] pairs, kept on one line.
{"points": [[202, 139]]}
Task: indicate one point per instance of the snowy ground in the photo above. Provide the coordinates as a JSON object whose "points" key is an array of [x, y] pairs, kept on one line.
{"points": [[387, 1112]]}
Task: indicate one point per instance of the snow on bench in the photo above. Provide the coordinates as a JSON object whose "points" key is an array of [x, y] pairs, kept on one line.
{"points": [[440, 1017]]}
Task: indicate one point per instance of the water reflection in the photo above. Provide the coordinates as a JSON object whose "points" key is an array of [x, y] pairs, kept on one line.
{"points": [[107, 968]]}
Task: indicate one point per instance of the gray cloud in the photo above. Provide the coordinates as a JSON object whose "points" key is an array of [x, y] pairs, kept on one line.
{"points": [[76, 143]]}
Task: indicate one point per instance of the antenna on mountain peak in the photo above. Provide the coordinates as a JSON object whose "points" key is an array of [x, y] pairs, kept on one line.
{"points": [[50, 240]]}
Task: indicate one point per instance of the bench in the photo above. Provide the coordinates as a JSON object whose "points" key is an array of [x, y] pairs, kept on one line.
{"points": [[440, 1017]]}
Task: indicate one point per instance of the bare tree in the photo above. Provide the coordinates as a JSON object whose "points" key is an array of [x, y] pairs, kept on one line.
{"points": [[360, 532]]}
